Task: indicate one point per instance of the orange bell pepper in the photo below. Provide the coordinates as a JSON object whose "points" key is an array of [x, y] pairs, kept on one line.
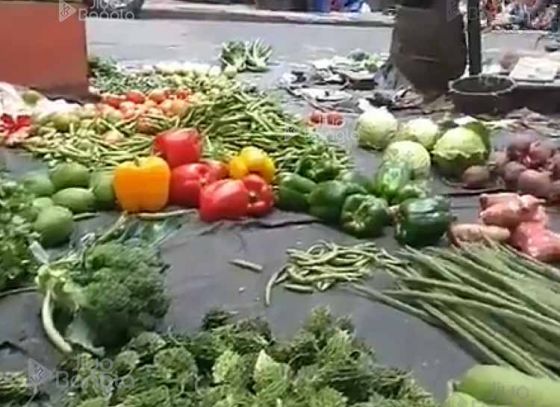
{"points": [[252, 160], [142, 185]]}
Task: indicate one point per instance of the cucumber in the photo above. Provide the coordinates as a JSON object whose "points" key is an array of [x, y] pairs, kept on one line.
{"points": [[54, 225], [38, 184], [68, 175], [509, 387], [78, 200], [462, 400]]}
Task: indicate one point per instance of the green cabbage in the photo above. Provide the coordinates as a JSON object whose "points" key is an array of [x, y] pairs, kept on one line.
{"points": [[376, 128], [458, 149], [412, 153], [421, 130]]}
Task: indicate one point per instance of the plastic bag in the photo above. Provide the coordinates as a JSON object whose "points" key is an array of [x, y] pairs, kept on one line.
{"points": [[535, 240]]}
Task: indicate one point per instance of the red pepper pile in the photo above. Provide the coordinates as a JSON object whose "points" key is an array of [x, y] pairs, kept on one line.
{"points": [[204, 184]]}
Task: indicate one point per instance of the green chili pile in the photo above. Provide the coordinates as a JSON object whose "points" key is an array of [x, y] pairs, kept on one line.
{"points": [[324, 265], [504, 304]]}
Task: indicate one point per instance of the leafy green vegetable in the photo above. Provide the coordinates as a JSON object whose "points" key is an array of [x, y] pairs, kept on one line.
{"points": [[238, 364], [17, 263], [460, 148], [422, 130], [110, 291], [246, 56], [412, 153], [376, 128]]}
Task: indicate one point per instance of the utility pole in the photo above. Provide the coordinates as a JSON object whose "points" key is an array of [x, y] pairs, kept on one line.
{"points": [[473, 37]]}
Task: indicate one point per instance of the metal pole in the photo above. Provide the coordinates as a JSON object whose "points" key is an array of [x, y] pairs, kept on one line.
{"points": [[473, 37]]}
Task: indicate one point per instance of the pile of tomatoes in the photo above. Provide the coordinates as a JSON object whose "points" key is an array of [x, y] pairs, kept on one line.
{"points": [[330, 119], [135, 104]]}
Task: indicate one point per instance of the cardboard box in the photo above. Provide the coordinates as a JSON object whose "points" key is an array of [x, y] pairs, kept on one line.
{"points": [[44, 46]]}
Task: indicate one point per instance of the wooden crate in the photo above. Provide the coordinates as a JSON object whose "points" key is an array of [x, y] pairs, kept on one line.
{"points": [[44, 46]]}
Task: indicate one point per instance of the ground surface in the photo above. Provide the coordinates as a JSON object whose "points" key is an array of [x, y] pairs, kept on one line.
{"points": [[200, 277], [149, 40]]}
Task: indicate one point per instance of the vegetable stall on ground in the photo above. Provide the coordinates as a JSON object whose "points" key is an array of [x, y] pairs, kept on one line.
{"points": [[199, 162]]}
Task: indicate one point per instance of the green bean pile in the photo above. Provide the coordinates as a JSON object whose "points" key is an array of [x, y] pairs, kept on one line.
{"points": [[232, 115], [85, 142], [237, 118], [505, 304], [324, 265]]}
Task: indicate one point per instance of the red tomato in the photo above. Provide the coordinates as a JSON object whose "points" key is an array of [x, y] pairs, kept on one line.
{"points": [[135, 96], [167, 107], [335, 119], [179, 107], [150, 103], [157, 95], [154, 111], [127, 105], [182, 94], [129, 113], [317, 117], [219, 168], [112, 100]]}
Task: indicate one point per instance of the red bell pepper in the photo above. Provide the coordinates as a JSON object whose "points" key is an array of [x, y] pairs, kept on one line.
{"points": [[261, 196], [224, 199], [187, 181], [178, 146], [220, 169]]}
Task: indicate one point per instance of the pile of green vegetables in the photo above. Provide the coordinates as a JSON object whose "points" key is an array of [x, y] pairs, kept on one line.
{"points": [[67, 193], [107, 289], [453, 145], [241, 56], [96, 142], [504, 304], [364, 206], [239, 364], [324, 265], [17, 214], [231, 115], [238, 117]]}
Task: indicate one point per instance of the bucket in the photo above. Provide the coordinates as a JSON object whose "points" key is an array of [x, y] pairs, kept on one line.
{"points": [[483, 94]]}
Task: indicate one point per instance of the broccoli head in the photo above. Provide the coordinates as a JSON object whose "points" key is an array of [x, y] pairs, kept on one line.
{"points": [[155, 397], [122, 302]]}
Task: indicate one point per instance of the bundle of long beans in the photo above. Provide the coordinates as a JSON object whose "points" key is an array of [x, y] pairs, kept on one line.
{"points": [[237, 118], [87, 143], [324, 265], [232, 115], [504, 304]]}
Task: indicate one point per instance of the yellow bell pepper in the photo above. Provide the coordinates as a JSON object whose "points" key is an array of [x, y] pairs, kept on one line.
{"points": [[252, 160], [142, 185]]}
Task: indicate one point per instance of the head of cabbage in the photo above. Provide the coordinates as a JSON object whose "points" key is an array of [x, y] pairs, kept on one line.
{"points": [[376, 128], [412, 153], [458, 149], [422, 130]]}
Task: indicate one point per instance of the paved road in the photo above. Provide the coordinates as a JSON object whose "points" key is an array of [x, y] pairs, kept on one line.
{"points": [[144, 40]]}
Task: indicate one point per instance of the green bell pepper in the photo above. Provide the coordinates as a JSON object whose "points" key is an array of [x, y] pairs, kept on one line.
{"points": [[358, 178], [318, 168], [293, 191], [413, 190], [422, 222], [390, 178], [327, 199], [364, 215]]}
